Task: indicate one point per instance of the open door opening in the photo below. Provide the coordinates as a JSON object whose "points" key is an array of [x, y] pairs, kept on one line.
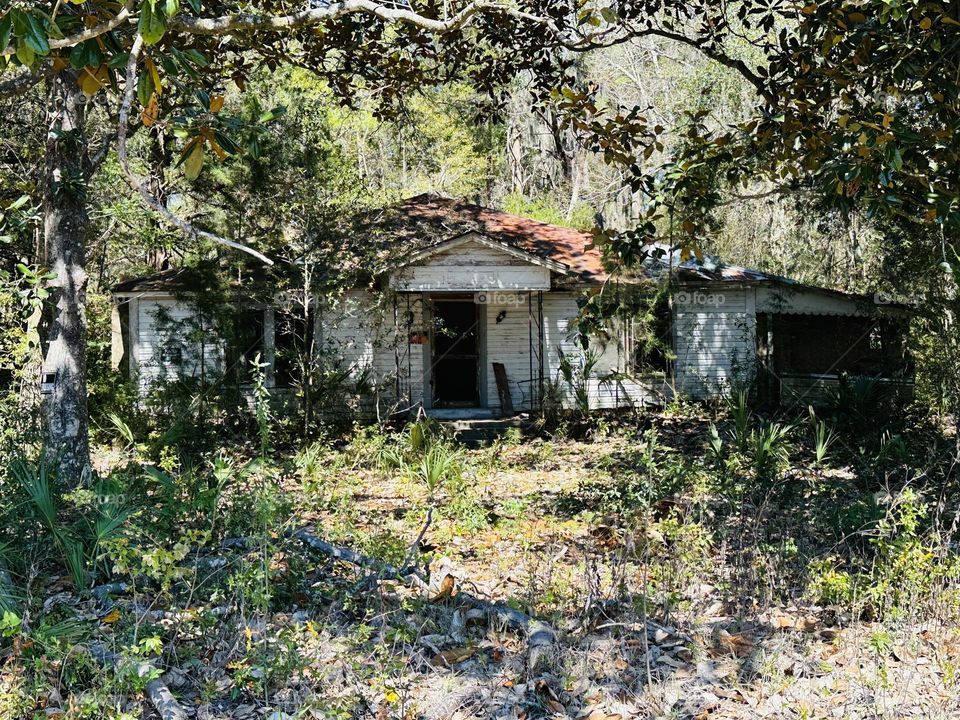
{"points": [[456, 353]]}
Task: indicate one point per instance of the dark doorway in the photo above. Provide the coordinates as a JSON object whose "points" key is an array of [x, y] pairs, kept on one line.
{"points": [[456, 353]]}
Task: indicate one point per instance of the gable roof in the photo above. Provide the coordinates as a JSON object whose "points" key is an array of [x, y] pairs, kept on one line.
{"points": [[426, 220], [478, 239]]}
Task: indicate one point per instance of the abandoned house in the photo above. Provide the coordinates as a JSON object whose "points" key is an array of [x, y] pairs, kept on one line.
{"points": [[473, 311]]}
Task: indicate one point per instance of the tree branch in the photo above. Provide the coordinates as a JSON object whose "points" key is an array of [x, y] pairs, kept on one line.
{"points": [[242, 22], [140, 185], [20, 84], [88, 34], [729, 62]]}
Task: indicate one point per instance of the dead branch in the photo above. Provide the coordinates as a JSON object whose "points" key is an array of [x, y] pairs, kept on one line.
{"points": [[141, 186], [158, 692], [383, 570], [541, 639], [412, 552], [19, 84], [243, 22], [102, 592]]}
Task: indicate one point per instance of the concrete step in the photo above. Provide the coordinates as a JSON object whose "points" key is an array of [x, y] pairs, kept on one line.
{"points": [[484, 431]]}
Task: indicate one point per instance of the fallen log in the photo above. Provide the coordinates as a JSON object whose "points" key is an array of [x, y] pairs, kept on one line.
{"points": [[383, 570], [541, 638], [160, 696]]}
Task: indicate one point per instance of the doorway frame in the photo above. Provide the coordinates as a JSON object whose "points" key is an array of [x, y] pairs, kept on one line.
{"points": [[428, 348]]}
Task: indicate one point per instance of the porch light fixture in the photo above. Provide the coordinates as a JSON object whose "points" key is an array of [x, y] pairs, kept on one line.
{"points": [[500, 316]]}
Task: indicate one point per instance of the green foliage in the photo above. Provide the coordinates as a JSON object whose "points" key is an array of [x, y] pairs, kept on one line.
{"points": [[770, 449], [549, 210], [577, 371], [78, 523], [439, 466], [739, 407], [823, 439], [909, 569]]}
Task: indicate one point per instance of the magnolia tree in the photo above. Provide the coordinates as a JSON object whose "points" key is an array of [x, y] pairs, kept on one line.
{"points": [[857, 99]]}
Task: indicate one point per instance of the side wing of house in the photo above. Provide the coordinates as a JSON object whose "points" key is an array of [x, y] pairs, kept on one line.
{"points": [[811, 339], [162, 339]]}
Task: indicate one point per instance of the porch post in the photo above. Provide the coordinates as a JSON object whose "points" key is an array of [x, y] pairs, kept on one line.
{"points": [[396, 351], [540, 351]]}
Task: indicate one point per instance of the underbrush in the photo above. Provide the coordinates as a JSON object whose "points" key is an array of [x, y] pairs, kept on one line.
{"points": [[192, 560]]}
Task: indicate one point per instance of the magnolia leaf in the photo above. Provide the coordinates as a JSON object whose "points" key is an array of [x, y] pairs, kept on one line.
{"points": [[215, 146], [453, 656], [25, 54], [226, 142], [33, 34], [154, 76], [609, 15], [111, 617], [171, 7], [6, 30], [216, 103], [90, 82], [193, 160], [151, 113], [144, 88], [152, 24]]}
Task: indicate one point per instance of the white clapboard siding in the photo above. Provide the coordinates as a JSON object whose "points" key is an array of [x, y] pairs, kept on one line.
{"points": [[359, 329], [508, 342], [170, 342], [471, 253], [715, 341], [471, 266]]}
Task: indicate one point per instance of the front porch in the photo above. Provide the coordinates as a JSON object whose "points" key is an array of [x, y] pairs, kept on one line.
{"points": [[469, 325]]}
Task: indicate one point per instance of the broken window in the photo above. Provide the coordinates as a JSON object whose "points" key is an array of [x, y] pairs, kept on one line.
{"points": [[291, 341], [244, 344]]}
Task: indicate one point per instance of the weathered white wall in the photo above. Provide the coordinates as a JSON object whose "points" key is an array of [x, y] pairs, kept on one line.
{"points": [[359, 328], [714, 339], [471, 266], [508, 342], [170, 341], [809, 301]]}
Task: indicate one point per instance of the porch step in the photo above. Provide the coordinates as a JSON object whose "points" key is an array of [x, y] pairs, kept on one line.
{"points": [[484, 431]]}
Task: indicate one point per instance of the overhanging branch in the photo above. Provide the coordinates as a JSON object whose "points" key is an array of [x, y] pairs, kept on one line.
{"points": [[89, 34], [140, 185], [242, 22]]}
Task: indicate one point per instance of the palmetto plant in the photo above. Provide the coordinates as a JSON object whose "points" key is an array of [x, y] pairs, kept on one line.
{"points": [[576, 373], [739, 406], [439, 465], [823, 438], [770, 448], [78, 542], [715, 442]]}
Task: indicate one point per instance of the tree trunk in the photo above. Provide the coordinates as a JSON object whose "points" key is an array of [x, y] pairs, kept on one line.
{"points": [[64, 379]]}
